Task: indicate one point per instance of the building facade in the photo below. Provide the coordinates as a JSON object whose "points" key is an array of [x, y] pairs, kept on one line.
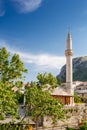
{"points": [[81, 89]]}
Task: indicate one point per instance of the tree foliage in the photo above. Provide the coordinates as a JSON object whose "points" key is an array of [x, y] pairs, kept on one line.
{"points": [[11, 74], [11, 68], [40, 103], [8, 102], [47, 79], [77, 99], [59, 81]]}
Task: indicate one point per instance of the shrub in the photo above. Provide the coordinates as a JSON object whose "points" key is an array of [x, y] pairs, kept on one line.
{"points": [[83, 127], [69, 128]]}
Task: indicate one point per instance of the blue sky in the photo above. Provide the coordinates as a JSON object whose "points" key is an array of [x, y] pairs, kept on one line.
{"points": [[37, 31]]}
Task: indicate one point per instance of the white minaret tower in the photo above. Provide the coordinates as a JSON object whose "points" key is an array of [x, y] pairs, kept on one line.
{"points": [[69, 54]]}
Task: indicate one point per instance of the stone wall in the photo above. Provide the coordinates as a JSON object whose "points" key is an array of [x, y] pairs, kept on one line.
{"points": [[74, 117]]}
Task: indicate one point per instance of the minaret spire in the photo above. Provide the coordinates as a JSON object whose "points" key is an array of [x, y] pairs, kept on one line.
{"points": [[69, 54], [69, 41]]}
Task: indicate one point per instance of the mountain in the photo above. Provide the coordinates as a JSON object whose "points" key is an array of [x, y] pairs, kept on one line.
{"points": [[79, 70]]}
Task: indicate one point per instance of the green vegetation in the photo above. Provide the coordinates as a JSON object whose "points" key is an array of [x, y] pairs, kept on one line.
{"points": [[40, 103], [70, 128], [47, 79], [80, 74], [20, 97], [8, 101], [84, 127], [11, 68], [59, 80], [77, 99], [11, 75], [12, 126], [79, 70]]}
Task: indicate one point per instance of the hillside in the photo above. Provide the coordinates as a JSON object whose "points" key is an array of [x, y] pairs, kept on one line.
{"points": [[79, 69]]}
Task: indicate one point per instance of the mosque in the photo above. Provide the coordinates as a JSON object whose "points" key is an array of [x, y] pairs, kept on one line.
{"points": [[66, 94]]}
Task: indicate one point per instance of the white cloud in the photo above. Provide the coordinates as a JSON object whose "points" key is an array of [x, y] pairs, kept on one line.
{"points": [[40, 61], [44, 60], [2, 43], [25, 6]]}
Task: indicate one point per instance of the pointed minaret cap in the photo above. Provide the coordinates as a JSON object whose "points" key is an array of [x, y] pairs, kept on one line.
{"points": [[69, 41], [69, 35]]}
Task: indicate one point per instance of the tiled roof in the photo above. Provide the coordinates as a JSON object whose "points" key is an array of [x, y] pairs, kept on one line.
{"points": [[60, 91]]}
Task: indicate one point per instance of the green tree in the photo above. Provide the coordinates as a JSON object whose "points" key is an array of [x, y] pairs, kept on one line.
{"points": [[40, 103], [59, 81], [47, 79], [11, 74], [77, 99], [8, 102], [11, 68]]}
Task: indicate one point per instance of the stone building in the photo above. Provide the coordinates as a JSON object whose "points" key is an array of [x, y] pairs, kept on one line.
{"points": [[81, 89]]}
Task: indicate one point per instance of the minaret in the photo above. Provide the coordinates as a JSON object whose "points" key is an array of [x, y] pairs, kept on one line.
{"points": [[69, 54]]}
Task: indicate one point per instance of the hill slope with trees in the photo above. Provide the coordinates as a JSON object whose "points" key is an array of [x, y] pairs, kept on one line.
{"points": [[79, 70]]}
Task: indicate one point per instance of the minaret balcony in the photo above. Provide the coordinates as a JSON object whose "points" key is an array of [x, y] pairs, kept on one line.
{"points": [[69, 52]]}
